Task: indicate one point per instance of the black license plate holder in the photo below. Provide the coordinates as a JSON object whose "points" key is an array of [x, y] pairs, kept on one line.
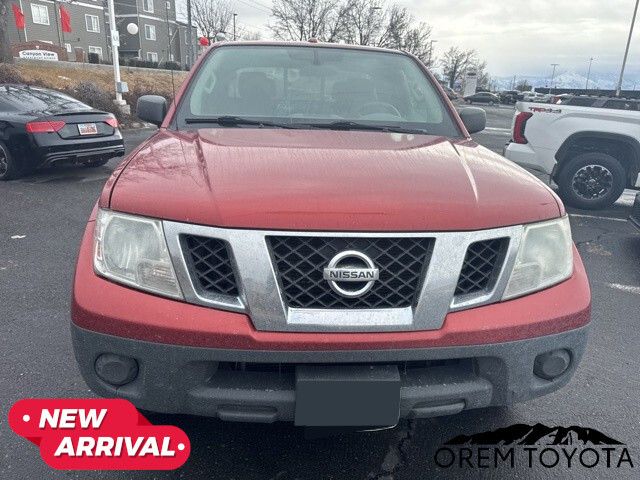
{"points": [[347, 395]]}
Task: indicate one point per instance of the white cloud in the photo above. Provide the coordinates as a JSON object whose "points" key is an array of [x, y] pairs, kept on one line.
{"points": [[519, 37], [516, 37]]}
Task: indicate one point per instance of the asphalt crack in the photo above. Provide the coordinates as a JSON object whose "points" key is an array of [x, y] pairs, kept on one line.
{"points": [[397, 456]]}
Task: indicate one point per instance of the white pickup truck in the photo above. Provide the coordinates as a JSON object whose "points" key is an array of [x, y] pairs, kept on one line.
{"points": [[593, 154]]}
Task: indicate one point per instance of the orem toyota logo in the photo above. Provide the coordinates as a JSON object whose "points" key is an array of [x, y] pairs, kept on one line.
{"points": [[351, 273]]}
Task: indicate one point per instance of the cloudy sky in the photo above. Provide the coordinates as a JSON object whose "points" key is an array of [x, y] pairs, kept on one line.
{"points": [[516, 37]]}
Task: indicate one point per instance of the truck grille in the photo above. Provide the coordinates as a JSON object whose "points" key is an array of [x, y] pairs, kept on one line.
{"points": [[481, 266], [300, 262], [210, 265]]}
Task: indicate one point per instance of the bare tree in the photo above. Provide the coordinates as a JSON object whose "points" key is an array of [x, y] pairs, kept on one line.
{"points": [[482, 76], [455, 62], [212, 16], [523, 86], [5, 45], [417, 41], [245, 34], [401, 32], [364, 23], [397, 22], [304, 19]]}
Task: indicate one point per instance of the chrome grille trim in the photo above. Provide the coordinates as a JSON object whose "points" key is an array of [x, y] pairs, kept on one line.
{"points": [[300, 262], [260, 296]]}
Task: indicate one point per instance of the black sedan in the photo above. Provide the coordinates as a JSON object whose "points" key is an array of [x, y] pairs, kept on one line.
{"points": [[483, 97], [41, 127]]}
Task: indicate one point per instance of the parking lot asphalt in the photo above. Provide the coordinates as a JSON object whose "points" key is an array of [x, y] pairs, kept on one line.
{"points": [[41, 221]]}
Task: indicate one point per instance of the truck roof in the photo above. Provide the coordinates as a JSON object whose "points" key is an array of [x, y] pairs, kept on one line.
{"points": [[311, 44]]}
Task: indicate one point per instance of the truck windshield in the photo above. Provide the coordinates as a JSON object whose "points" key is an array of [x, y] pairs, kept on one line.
{"points": [[314, 87]]}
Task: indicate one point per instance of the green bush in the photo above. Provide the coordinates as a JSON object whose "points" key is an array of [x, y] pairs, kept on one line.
{"points": [[136, 62], [170, 66]]}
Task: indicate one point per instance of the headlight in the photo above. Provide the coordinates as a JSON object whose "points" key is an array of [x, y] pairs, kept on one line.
{"points": [[545, 257], [132, 250]]}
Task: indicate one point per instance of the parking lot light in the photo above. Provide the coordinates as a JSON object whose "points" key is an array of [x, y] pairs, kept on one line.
{"points": [[626, 50], [120, 86], [586, 85], [553, 75]]}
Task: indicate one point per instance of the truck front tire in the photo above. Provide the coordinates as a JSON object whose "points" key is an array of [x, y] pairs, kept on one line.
{"points": [[591, 181]]}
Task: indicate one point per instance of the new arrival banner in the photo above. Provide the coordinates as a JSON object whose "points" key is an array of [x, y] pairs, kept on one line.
{"points": [[98, 434]]}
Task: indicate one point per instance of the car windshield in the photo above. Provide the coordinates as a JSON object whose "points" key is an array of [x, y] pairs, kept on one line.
{"points": [[314, 87]]}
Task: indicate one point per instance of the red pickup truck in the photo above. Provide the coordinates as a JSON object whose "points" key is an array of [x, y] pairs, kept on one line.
{"points": [[313, 236]]}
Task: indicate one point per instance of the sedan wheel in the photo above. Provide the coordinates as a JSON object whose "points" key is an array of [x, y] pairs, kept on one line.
{"points": [[4, 161]]}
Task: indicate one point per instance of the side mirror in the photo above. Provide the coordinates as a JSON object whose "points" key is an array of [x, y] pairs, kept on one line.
{"points": [[474, 119], [152, 109]]}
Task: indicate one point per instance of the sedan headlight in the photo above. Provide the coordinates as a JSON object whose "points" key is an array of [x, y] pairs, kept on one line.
{"points": [[545, 257], [132, 250]]}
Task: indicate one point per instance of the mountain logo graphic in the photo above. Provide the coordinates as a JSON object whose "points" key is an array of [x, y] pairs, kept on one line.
{"points": [[538, 434]]}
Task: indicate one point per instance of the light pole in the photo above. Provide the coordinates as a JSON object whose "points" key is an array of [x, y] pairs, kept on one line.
{"points": [[553, 75], [234, 26], [626, 50], [189, 36], [586, 85], [121, 87], [431, 42]]}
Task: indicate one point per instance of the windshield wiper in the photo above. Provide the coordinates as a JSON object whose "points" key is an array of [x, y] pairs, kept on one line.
{"points": [[350, 125], [233, 121]]}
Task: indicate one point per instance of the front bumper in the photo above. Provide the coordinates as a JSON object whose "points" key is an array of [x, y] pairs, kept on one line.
{"points": [[199, 360], [259, 386]]}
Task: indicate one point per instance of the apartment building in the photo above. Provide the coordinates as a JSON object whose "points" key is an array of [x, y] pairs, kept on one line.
{"points": [[160, 37], [42, 23]]}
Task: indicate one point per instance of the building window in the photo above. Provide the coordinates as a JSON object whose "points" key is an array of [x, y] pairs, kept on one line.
{"points": [[147, 6], [40, 14], [97, 50], [152, 57], [150, 32], [68, 47], [93, 24]]}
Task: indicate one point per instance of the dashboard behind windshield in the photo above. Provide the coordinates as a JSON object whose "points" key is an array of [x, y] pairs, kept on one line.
{"points": [[314, 86]]}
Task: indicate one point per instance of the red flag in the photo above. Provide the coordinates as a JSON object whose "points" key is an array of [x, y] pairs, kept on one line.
{"points": [[19, 17], [65, 20]]}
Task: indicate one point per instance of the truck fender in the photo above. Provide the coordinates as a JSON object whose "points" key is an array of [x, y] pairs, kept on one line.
{"points": [[631, 165]]}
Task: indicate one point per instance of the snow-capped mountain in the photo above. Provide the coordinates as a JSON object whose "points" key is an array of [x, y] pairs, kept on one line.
{"points": [[569, 79], [538, 434]]}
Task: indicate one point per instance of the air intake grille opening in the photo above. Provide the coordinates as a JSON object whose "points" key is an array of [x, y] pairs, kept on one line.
{"points": [[210, 265], [300, 262], [481, 266]]}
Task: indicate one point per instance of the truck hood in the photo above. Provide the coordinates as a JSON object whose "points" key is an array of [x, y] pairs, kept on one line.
{"points": [[326, 180]]}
